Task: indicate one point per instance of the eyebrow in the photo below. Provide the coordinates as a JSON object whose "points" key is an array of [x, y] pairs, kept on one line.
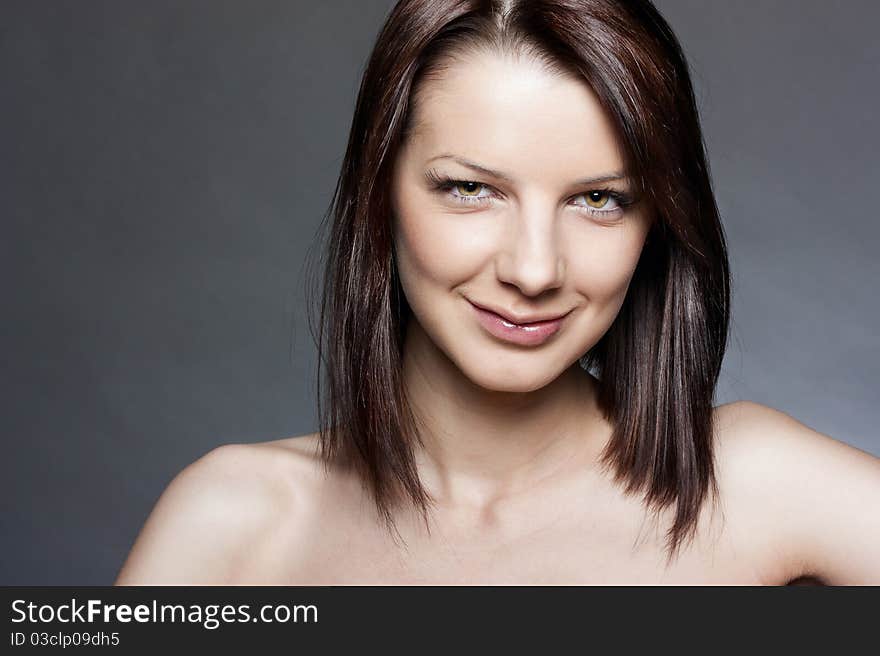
{"points": [[479, 168]]}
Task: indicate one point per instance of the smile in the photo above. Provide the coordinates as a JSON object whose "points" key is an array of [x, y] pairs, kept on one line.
{"points": [[532, 333]]}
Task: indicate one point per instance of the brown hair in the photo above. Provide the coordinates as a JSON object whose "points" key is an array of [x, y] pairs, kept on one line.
{"points": [[658, 363]]}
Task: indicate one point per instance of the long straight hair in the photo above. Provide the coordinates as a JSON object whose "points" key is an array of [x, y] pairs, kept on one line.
{"points": [[657, 364]]}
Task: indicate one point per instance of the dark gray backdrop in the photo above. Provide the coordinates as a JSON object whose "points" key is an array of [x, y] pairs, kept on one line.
{"points": [[165, 164]]}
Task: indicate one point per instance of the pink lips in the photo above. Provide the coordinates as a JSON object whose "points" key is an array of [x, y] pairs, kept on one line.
{"points": [[526, 334]]}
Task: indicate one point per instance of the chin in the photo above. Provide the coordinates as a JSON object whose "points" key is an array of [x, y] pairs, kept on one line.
{"points": [[502, 379]]}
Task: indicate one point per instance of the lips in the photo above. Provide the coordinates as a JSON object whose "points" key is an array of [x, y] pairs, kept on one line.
{"points": [[530, 332], [520, 320]]}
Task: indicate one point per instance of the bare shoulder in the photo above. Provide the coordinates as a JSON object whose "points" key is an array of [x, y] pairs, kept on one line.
{"points": [[804, 500], [219, 508]]}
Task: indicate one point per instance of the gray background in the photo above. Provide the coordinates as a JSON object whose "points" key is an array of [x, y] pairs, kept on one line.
{"points": [[165, 164]]}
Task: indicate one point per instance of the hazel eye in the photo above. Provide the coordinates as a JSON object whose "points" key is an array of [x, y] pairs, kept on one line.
{"points": [[466, 188], [597, 199]]}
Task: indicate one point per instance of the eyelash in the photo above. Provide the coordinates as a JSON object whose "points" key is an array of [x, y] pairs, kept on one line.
{"points": [[444, 183]]}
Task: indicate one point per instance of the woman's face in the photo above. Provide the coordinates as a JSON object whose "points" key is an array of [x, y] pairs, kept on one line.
{"points": [[522, 231]]}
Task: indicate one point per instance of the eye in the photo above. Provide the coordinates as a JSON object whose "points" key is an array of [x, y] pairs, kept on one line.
{"points": [[598, 199], [463, 192], [603, 203], [467, 188]]}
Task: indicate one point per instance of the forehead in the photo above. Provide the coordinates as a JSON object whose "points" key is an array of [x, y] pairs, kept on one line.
{"points": [[514, 115]]}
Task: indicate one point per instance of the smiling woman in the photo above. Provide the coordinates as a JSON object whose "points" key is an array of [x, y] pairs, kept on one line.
{"points": [[531, 242], [525, 308]]}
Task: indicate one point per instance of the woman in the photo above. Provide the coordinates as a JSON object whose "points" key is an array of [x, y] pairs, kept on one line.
{"points": [[525, 310]]}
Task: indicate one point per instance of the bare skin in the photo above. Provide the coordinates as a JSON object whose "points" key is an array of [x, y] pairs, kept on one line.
{"points": [[512, 433], [795, 503]]}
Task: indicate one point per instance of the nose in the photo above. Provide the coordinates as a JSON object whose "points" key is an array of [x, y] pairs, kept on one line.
{"points": [[531, 258]]}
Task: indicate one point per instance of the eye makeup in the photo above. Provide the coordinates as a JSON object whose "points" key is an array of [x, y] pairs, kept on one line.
{"points": [[446, 185]]}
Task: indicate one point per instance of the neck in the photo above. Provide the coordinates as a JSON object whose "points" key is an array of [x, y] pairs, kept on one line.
{"points": [[479, 445]]}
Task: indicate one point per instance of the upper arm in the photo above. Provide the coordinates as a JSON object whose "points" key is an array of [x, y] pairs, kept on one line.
{"points": [[201, 522], [819, 497]]}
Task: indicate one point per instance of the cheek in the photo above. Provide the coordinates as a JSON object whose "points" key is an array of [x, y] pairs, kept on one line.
{"points": [[442, 250], [602, 263]]}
